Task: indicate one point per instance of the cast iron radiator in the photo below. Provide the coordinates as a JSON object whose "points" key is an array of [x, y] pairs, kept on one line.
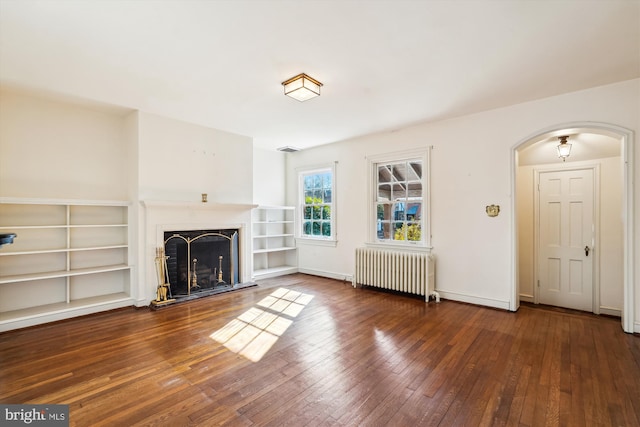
{"points": [[408, 272]]}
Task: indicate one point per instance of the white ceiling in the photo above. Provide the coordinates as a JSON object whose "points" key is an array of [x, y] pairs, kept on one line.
{"points": [[384, 64]]}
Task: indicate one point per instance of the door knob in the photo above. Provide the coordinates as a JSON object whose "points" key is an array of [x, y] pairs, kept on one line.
{"points": [[586, 250]]}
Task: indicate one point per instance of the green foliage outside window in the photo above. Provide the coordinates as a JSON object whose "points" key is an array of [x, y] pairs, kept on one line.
{"points": [[413, 233]]}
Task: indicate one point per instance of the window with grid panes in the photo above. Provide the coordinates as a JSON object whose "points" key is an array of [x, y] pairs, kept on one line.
{"points": [[317, 204], [399, 204]]}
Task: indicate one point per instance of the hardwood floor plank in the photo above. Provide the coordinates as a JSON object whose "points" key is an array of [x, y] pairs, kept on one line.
{"points": [[517, 375], [517, 403], [533, 355], [344, 357]]}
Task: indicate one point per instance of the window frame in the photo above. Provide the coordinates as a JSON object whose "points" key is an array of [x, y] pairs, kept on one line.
{"points": [[310, 239], [424, 155]]}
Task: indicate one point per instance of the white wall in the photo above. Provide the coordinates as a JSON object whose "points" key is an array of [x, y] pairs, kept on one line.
{"points": [[269, 168], [470, 168], [57, 149], [180, 161], [609, 246], [611, 237]]}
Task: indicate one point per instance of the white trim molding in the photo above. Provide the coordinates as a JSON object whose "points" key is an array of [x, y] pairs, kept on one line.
{"points": [[473, 299], [328, 274], [630, 323], [424, 154], [319, 240]]}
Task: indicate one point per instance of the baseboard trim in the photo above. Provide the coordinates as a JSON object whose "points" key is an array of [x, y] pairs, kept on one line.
{"points": [[453, 296], [636, 328], [472, 299], [610, 311], [142, 302], [328, 274], [527, 298]]}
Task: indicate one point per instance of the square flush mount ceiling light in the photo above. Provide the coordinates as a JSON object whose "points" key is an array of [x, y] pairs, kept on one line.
{"points": [[302, 87]]}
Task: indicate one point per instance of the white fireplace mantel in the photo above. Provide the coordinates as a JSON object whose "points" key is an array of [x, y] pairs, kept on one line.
{"points": [[159, 216], [196, 205]]}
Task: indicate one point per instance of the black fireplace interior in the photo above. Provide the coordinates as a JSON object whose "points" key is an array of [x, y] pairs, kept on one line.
{"points": [[209, 251]]}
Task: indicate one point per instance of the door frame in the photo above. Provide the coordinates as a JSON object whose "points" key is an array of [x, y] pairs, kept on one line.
{"points": [[595, 271], [626, 138]]}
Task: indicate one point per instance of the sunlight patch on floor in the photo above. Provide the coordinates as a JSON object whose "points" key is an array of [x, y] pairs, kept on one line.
{"points": [[255, 331], [385, 344]]}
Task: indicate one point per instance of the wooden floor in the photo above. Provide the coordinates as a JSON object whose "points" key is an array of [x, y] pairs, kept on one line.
{"points": [[306, 351]]}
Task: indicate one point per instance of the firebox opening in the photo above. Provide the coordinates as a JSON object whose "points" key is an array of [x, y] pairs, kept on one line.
{"points": [[201, 261]]}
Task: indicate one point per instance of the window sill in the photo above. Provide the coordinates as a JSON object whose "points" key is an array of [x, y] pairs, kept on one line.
{"points": [[396, 247], [316, 242]]}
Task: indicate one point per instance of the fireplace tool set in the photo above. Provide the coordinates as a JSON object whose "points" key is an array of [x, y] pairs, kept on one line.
{"points": [[163, 293]]}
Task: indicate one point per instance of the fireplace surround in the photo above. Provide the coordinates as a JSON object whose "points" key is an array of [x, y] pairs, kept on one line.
{"points": [[161, 217], [201, 261]]}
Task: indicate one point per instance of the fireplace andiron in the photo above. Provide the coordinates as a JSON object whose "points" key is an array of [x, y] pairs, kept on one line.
{"points": [[194, 276], [220, 270]]}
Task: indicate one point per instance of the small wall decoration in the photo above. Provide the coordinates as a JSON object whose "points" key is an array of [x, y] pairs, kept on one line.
{"points": [[493, 210], [204, 197]]}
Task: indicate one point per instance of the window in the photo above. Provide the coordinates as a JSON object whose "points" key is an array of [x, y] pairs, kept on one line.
{"points": [[317, 204], [399, 199]]}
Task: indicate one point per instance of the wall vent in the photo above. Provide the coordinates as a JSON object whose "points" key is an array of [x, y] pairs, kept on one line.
{"points": [[288, 149]]}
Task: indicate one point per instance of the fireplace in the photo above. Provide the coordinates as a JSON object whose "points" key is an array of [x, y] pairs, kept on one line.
{"points": [[201, 262], [163, 219]]}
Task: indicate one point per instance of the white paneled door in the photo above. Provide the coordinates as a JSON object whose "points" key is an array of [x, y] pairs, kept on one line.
{"points": [[566, 238]]}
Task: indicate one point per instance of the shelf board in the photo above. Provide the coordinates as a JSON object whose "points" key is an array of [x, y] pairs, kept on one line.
{"points": [[275, 271], [97, 248], [280, 249], [71, 202], [273, 222], [96, 225], [265, 236], [281, 208], [40, 227], [63, 273], [61, 307], [52, 251], [30, 227]]}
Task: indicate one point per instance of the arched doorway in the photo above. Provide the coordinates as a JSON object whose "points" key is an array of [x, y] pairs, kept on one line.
{"points": [[543, 142]]}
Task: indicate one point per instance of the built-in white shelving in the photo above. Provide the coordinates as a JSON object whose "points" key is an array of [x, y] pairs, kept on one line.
{"points": [[70, 258], [274, 250]]}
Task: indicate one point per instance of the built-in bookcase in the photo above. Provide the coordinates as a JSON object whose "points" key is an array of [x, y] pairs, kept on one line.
{"points": [[69, 258], [274, 248]]}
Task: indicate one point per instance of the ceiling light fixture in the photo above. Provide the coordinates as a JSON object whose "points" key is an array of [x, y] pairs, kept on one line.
{"points": [[564, 148], [302, 87]]}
